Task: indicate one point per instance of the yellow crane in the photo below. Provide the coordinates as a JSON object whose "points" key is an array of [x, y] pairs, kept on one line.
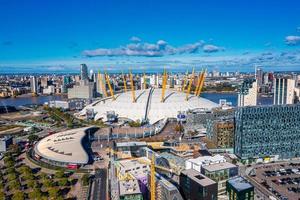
{"points": [[132, 88], [102, 84], [124, 81], [152, 179], [201, 83], [164, 85], [190, 85], [109, 86]]}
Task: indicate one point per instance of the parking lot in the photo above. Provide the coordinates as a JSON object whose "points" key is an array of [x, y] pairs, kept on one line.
{"points": [[282, 180]]}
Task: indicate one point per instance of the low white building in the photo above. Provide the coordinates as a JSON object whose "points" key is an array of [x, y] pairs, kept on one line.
{"points": [[197, 163], [49, 90]]}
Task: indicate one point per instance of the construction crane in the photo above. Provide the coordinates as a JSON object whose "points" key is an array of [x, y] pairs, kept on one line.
{"points": [[164, 84], [185, 80], [102, 84], [109, 86], [132, 88], [201, 83], [152, 179], [190, 85], [124, 81]]}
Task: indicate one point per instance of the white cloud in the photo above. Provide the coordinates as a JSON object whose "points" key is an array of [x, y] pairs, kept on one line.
{"points": [[292, 40], [209, 48], [135, 39], [158, 49]]}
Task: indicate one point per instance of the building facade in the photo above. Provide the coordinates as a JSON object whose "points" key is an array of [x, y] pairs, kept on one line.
{"points": [[284, 89], [264, 131], [33, 84], [83, 91], [247, 95], [84, 72], [239, 188], [5, 142], [221, 132], [195, 186]]}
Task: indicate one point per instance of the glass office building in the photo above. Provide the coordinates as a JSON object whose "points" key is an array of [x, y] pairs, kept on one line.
{"points": [[267, 131]]}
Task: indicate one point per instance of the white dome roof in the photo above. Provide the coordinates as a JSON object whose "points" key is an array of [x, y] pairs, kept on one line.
{"points": [[157, 110]]}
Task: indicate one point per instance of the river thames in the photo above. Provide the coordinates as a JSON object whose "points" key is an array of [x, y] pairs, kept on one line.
{"points": [[28, 100]]}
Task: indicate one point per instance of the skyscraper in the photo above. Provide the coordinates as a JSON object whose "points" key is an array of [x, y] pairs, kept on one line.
{"points": [[284, 89], [259, 76], [84, 72], [33, 84], [247, 95]]}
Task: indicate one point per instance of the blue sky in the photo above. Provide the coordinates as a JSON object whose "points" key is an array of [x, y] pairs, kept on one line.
{"points": [[58, 35]]}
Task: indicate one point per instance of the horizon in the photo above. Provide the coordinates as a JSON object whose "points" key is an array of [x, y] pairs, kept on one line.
{"points": [[57, 36]]}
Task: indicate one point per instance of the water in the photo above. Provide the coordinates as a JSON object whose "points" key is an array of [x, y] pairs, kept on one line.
{"points": [[232, 97], [28, 100], [215, 97]]}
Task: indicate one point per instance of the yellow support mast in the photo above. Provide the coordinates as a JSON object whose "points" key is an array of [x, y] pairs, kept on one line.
{"points": [[198, 83], [202, 83], [124, 81], [132, 88], [109, 86], [190, 85], [152, 178], [185, 80], [144, 79], [164, 85], [102, 84]]}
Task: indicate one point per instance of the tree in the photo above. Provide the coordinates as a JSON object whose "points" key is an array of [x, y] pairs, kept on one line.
{"points": [[85, 179], [32, 184], [53, 193], [18, 195], [14, 185], [35, 194], [2, 195], [11, 177], [63, 182], [32, 138], [60, 173], [47, 183]]}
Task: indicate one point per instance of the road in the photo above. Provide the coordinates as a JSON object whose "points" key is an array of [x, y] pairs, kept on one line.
{"points": [[99, 192]]}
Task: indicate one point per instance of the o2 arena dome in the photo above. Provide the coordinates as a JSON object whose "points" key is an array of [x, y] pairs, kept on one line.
{"points": [[148, 105]]}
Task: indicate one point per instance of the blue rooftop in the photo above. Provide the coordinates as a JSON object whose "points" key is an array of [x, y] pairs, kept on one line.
{"points": [[239, 183]]}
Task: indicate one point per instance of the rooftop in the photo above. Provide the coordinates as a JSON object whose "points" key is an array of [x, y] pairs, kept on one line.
{"points": [[197, 177], [207, 160], [129, 187], [130, 144], [148, 104], [218, 166], [239, 183], [64, 147]]}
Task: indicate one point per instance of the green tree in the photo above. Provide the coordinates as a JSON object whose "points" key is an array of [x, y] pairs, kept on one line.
{"points": [[14, 185], [47, 183], [53, 193], [85, 179], [63, 182], [18, 195], [32, 138], [11, 177], [60, 173], [2, 195], [35, 194]]}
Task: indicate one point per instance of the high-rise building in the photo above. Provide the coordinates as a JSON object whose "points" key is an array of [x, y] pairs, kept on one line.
{"points": [[266, 78], [100, 85], [221, 131], [84, 72], [247, 95], [44, 82], [265, 132], [34, 84], [195, 186], [259, 76], [83, 91], [239, 188], [284, 89]]}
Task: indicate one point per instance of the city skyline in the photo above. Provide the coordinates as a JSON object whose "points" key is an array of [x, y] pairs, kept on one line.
{"points": [[58, 36]]}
